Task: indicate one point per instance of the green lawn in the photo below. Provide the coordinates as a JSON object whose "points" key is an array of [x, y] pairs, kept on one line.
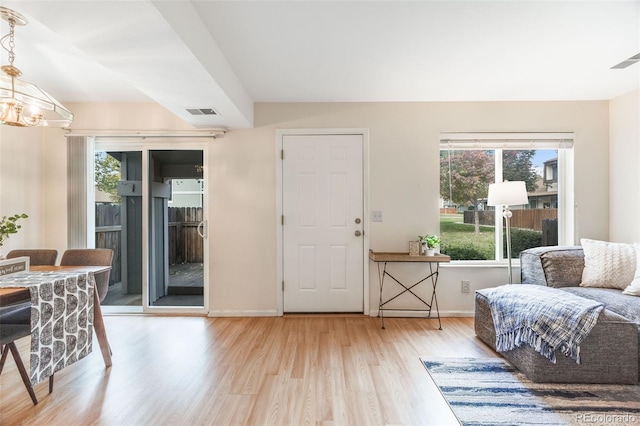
{"points": [[461, 242]]}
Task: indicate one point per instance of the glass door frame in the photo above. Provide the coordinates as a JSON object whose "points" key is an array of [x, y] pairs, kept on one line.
{"points": [[145, 145]]}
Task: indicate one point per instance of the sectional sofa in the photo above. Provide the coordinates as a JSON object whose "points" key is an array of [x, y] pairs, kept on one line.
{"points": [[610, 353]]}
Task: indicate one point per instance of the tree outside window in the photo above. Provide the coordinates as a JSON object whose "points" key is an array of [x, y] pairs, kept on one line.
{"points": [[107, 175]]}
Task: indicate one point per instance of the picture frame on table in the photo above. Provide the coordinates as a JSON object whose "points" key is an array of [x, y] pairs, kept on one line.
{"points": [[15, 265], [414, 248]]}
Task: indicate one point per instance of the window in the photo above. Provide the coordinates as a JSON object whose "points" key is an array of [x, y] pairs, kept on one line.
{"points": [[470, 162]]}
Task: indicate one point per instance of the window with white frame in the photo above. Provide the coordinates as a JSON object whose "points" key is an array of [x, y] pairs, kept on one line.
{"points": [[469, 162]]}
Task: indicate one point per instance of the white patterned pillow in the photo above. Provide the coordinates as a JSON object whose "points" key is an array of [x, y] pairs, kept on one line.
{"points": [[608, 265], [634, 288]]}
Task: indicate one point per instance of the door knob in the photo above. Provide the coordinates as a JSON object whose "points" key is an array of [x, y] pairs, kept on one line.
{"points": [[358, 220], [358, 233]]}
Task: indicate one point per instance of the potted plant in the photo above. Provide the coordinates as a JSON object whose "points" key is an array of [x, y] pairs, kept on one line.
{"points": [[429, 243], [9, 225]]}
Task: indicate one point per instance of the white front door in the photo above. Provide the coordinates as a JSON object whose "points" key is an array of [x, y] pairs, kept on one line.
{"points": [[323, 248]]}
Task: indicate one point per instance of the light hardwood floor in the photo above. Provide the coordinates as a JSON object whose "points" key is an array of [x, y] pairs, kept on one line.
{"points": [[292, 370]]}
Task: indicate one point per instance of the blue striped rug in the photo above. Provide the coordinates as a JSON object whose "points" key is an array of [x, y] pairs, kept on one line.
{"points": [[489, 391]]}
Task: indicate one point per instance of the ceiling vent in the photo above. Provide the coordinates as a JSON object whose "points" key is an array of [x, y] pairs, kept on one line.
{"points": [[632, 60], [202, 111]]}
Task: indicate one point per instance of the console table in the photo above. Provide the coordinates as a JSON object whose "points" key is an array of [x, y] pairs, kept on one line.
{"points": [[432, 276]]}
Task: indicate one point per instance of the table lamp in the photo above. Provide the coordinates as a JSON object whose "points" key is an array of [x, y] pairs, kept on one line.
{"points": [[507, 194]]}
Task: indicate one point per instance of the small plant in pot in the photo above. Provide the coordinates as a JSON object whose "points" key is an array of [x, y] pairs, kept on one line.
{"points": [[429, 243], [9, 225]]}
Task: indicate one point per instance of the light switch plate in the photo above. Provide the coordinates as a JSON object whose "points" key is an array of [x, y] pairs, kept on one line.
{"points": [[376, 215]]}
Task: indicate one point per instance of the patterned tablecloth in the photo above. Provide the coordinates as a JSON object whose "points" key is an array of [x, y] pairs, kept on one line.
{"points": [[61, 318]]}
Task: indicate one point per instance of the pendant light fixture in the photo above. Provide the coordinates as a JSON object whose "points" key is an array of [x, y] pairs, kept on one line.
{"points": [[24, 104]]}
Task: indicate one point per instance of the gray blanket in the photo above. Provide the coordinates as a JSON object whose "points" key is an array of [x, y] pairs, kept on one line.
{"points": [[545, 318]]}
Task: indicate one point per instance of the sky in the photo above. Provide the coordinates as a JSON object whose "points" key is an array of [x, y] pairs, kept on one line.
{"points": [[541, 156]]}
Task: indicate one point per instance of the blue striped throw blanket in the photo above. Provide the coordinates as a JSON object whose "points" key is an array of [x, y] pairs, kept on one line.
{"points": [[545, 318]]}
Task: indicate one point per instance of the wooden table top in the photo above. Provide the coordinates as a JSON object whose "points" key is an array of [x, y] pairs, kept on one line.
{"points": [[11, 296], [381, 256]]}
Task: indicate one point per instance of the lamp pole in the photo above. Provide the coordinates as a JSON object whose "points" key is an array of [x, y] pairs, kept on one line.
{"points": [[506, 213]]}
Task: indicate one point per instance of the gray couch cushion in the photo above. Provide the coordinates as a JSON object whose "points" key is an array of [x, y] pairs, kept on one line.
{"points": [[613, 299], [559, 266]]}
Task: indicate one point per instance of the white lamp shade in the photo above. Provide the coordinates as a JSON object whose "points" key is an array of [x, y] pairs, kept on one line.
{"points": [[507, 194]]}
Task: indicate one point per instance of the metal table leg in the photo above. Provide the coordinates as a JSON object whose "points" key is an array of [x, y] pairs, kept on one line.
{"points": [[433, 275]]}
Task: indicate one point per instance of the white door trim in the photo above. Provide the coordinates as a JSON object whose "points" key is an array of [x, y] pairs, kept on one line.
{"points": [[280, 133]]}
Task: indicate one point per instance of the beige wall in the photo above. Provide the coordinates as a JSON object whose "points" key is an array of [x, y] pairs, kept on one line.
{"points": [[625, 176], [29, 171], [403, 170], [124, 116]]}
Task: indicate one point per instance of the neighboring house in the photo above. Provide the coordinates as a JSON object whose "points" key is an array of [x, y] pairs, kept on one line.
{"points": [[546, 194], [550, 178], [186, 193]]}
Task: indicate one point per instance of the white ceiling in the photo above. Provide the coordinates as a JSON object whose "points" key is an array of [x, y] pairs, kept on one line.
{"points": [[227, 55]]}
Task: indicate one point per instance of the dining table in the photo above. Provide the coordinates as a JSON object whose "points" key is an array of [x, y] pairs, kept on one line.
{"points": [[62, 301]]}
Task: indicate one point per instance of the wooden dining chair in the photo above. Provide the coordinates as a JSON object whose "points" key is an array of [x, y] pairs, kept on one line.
{"points": [[91, 257], [36, 256], [15, 323]]}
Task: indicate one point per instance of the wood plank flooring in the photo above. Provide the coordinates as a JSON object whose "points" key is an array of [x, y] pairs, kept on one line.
{"points": [[291, 370]]}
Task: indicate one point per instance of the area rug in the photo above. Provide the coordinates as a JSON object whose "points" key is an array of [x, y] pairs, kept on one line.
{"points": [[489, 391]]}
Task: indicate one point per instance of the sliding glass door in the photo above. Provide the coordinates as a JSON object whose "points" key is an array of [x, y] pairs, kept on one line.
{"points": [[176, 215], [150, 206]]}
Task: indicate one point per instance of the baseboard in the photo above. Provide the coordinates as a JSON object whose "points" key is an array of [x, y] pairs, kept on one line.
{"points": [[374, 313], [243, 313], [420, 314]]}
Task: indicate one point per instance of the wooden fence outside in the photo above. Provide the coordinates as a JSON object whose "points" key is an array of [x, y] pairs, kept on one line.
{"points": [[448, 210], [522, 218], [185, 245], [108, 235]]}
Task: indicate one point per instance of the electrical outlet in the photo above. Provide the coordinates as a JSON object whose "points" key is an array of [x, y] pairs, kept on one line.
{"points": [[466, 286], [376, 216]]}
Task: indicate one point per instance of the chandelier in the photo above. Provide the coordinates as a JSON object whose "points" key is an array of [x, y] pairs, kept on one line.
{"points": [[24, 104]]}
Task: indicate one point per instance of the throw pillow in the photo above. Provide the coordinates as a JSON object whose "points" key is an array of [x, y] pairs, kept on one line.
{"points": [[608, 265], [634, 288]]}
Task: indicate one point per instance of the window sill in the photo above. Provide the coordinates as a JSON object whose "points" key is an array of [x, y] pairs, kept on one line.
{"points": [[480, 264]]}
